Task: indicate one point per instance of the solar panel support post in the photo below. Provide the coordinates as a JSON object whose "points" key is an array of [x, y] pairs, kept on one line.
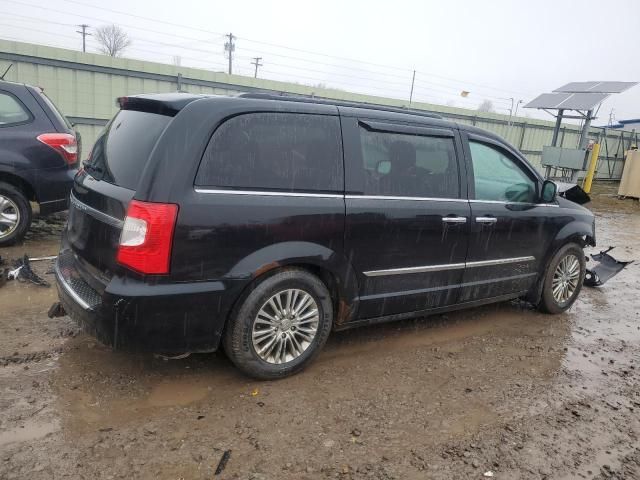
{"points": [[556, 129], [585, 130], [584, 138], [554, 140]]}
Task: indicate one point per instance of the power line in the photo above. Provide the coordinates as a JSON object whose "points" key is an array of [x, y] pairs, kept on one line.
{"points": [[446, 89], [131, 15], [61, 35], [399, 92], [88, 17], [287, 47]]}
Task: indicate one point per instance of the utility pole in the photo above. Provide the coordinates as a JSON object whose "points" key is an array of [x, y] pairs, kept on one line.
{"points": [[413, 81], [230, 47], [256, 62], [84, 34]]}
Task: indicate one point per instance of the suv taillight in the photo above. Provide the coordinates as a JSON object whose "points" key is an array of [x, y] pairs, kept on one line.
{"points": [[147, 234], [63, 143]]}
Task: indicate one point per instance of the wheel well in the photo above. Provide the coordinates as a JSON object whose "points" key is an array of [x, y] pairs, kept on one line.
{"points": [[535, 293], [19, 183], [341, 311]]}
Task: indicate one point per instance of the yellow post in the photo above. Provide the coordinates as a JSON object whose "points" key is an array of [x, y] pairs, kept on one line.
{"points": [[595, 153]]}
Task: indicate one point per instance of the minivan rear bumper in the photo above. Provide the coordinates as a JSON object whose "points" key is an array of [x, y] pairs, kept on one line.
{"points": [[136, 316]]}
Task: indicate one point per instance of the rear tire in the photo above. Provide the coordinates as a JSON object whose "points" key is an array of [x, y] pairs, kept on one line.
{"points": [[563, 279], [280, 326], [15, 214]]}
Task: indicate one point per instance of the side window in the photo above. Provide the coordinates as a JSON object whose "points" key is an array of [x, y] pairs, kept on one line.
{"points": [[12, 111], [275, 151], [497, 175], [409, 165]]}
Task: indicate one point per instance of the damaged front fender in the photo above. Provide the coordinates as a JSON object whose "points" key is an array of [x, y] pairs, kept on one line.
{"points": [[573, 193], [606, 268]]}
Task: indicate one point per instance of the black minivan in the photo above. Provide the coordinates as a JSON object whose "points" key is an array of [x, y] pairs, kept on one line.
{"points": [[264, 222]]}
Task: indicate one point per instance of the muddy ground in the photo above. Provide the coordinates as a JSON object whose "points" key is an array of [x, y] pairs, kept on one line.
{"points": [[500, 389]]}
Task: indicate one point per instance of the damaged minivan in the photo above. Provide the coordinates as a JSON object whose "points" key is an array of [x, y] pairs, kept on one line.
{"points": [[262, 223]]}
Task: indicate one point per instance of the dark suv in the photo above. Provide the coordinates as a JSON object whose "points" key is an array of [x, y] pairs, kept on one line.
{"points": [[264, 222], [39, 152]]}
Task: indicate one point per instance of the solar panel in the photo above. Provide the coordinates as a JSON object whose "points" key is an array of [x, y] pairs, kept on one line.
{"points": [[548, 100], [567, 101], [583, 101], [596, 87]]}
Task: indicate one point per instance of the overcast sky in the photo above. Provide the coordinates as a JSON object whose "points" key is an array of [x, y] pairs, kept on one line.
{"points": [[494, 49]]}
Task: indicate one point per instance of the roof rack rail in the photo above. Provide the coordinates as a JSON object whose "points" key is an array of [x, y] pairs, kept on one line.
{"points": [[339, 103]]}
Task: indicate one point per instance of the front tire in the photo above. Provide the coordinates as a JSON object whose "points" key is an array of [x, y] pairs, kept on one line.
{"points": [[280, 326], [563, 279], [15, 214]]}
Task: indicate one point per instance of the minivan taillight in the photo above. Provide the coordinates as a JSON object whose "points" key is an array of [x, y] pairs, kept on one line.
{"points": [[147, 234], [63, 143]]}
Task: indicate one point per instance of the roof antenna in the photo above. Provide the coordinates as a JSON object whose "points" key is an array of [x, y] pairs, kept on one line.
{"points": [[6, 71]]}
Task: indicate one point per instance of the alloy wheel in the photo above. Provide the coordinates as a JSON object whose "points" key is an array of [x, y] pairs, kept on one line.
{"points": [[9, 216], [565, 279], [285, 326]]}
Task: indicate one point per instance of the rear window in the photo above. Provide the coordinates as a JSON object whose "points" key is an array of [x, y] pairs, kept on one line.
{"points": [[55, 110], [275, 151], [123, 148]]}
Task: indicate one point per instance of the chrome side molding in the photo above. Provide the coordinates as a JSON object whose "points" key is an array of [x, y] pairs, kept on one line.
{"points": [[447, 266]]}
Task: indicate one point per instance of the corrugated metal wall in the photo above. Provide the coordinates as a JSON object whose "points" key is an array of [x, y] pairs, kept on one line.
{"points": [[86, 85]]}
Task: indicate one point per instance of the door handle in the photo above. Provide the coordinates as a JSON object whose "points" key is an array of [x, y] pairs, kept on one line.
{"points": [[486, 219], [454, 219]]}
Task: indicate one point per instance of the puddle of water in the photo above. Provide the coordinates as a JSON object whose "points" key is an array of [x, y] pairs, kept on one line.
{"points": [[178, 392], [31, 430], [501, 320]]}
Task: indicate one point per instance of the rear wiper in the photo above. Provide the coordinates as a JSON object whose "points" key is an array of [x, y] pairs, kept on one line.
{"points": [[93, 169]]}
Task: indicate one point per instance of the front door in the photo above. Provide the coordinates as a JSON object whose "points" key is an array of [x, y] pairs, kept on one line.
{"points": [[507, 229], [407, 217]]}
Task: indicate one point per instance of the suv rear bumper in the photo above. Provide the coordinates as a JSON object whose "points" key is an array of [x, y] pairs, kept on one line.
{"points": [[135, 316]]}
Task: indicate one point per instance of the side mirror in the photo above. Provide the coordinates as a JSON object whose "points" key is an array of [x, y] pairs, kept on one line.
{"points": [[549, 192], [383, 167]]}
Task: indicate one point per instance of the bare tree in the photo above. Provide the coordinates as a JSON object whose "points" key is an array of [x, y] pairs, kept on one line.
{"points": [[486, 106], [112, 39]]}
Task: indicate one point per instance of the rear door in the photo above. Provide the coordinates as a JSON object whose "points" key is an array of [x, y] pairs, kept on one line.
{"points": [[508, 227], [407, 216], [102, 192]]}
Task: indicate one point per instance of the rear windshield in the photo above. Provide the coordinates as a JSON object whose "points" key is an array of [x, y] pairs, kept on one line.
{"points": [[123, 148], [55, 110]]}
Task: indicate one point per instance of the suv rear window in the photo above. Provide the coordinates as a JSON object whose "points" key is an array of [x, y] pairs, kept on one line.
{"points": [[54, 109], [275, 151], [123, 148]]}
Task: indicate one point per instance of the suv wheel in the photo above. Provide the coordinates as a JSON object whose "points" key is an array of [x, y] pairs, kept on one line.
{"points": [[563, 279], [280, 326], [15, 214]]}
